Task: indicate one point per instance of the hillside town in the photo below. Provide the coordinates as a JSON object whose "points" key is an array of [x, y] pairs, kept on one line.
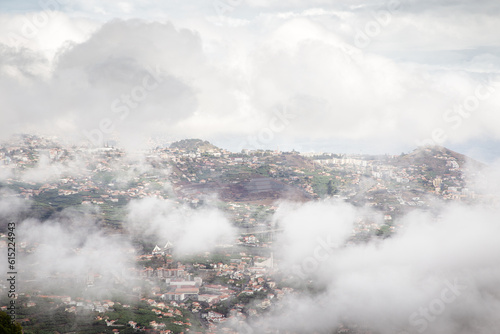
{"points": [[172, 297], [190, 170], [216, 291]]}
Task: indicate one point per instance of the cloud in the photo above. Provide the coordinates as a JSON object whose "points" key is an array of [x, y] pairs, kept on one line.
{"points": [[44, 31], [327, 218], [129, 79], [437, 274], [47, 170], [11, 207], [6, 171], [135, 83], [190, 230], [65, 253]]}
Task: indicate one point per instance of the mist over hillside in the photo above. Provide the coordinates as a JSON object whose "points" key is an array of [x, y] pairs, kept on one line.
{"points": [[251, 166], [396, 244]]}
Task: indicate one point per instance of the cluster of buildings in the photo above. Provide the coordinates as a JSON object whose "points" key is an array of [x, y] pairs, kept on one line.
{"points": [[107, 176], [220, 293], [405, 180], [244, 282]]}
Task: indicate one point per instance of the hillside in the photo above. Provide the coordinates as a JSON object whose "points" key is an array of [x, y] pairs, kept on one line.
{"points": [[438, 159], [194, 145]]}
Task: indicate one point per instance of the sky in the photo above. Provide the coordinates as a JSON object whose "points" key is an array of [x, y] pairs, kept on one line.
{"points": [[316, 75], [335, 76]]}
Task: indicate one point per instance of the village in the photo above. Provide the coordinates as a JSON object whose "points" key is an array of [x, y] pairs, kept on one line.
{"points": [[189, 170], [223, 290], [172, 296]]}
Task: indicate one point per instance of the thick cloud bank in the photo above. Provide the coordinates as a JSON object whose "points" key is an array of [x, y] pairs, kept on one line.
{"points": [[190, 230], [379, 73], [438, 274]]}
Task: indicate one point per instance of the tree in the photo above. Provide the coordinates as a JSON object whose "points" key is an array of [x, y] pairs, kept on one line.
{"points": [[384, 231], [7, 326], [331, 190]]}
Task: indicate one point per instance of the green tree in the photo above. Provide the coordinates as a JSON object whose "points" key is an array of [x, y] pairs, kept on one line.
{"points": [[384, 231], [331, 189], [6, 325]]}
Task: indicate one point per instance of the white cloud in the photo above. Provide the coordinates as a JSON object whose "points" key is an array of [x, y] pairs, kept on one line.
{"points": [[226, 80], [11, 206], [47, 170], [69, 250], [387, 285], [190, 230]]}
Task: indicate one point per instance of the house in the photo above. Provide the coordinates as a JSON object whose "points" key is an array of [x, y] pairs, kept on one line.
{"points": [[182, 293], [167, 249]]}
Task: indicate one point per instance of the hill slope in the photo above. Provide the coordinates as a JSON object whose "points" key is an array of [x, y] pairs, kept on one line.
{"points": [[194, 145]]}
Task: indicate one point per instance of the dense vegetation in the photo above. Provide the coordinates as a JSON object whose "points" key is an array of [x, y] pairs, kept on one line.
{"points": [[6, 325]]}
